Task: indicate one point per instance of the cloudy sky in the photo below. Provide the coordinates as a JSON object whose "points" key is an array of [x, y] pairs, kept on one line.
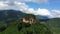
{"points": [[49, 8]]}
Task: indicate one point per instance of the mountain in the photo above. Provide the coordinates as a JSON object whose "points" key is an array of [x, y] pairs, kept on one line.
{"points": [[15, 14], [8, 17], [21, 26], [54, 24], [42, 18], [4, 14], [10, 14]]}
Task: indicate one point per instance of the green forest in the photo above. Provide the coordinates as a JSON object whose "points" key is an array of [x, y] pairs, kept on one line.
{"points": [[11, 23], [19, 27]]}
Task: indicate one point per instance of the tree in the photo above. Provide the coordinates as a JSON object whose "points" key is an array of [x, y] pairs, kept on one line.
{"points": [[36, 28]]}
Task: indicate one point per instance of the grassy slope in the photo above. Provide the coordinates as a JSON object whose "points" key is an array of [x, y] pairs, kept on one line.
{"points": [[14, 30], [10, 30], [55, 25]]}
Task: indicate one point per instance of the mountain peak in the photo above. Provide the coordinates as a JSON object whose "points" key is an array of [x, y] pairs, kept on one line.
{"points": [[29, 18]]}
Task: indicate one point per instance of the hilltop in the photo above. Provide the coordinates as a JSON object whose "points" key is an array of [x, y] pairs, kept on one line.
{"points": [[54, 24], [33, 26]]}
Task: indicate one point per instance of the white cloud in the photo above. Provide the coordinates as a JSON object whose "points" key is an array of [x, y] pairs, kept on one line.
{"points": [[35, 1], [25, 8], [17, 4], [3, 5], [55, 13], [22, 6], [43, 12]]}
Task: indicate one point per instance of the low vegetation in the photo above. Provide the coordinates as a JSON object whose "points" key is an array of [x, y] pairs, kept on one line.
{"points": [[20, 27]]}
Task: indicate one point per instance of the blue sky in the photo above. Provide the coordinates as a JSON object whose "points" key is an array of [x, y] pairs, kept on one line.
{"points": [[52, 4], [49, 8]]}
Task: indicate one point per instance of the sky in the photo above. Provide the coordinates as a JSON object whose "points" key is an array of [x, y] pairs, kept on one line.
{"points": [[49, 8]]}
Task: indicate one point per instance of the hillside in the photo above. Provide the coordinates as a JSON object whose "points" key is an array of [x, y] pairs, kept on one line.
{"points": [[55, 25], [10, 14], [20, 27], [8, 17], [14, 30]]}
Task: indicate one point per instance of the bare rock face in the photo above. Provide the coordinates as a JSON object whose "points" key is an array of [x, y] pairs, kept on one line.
{"points": [[29, 18], [29, 25]]}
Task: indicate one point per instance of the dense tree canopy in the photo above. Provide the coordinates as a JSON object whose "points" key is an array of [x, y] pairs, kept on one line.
{"points": [[29, 16], [36, 28], [26, 28]]}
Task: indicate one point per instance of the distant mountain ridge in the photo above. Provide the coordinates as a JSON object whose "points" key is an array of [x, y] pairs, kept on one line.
{"points": [[10, 14], [14, 14]]}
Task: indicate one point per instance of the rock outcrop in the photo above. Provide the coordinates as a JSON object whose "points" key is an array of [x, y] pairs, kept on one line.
{"points": [[29, 18]]}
